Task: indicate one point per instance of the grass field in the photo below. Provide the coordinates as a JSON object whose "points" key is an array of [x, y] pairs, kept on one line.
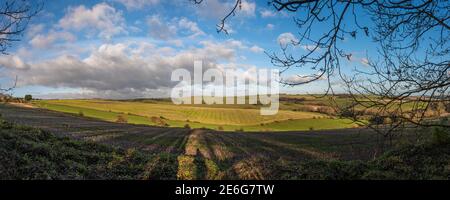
{"points": [[218, 118], [65, 146]]}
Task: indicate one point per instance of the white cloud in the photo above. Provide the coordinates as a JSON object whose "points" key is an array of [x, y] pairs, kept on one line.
{"points": [[24, 52], [176, 42], [247, 8], [285, 39], [229, 29], [191, 26], [122, 69], [267, 13], [270, 26], [117, 94], [47, 40], [236, 44], [13, 62], [34, 29], [101, 18], [159, 29], [256, 49], [134, 29], [225, 50], [217, 9], [137, 4], [164, 29], [212, 9]]}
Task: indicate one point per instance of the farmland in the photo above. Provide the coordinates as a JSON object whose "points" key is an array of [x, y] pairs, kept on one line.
{"points": [[154, 139], [66, 146], [218, 117]]}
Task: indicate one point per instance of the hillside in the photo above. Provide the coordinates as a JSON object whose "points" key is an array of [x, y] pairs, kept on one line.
{"points": [[70, 147], [217, 117], [28, 153]]}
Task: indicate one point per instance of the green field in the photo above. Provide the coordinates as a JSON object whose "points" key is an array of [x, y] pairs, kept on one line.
{"points": [[244, 118], [59, 146]]}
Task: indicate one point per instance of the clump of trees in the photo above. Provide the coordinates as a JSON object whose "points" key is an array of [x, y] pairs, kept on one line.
{"points": [[28, 97], [121, 119]]}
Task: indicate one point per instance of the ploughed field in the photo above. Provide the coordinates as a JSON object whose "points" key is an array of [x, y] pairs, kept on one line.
{"points": [[218, 117], [182, 153]]}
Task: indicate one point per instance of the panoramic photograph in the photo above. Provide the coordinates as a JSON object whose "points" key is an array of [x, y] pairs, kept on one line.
{"points": [[224, 90]]}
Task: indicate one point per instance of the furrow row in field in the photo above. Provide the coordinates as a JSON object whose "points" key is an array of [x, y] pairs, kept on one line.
{"points": [[207, 115]]}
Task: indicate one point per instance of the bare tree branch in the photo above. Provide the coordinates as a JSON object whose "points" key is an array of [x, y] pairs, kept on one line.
{"points": [[406, 82], [14, 18]]}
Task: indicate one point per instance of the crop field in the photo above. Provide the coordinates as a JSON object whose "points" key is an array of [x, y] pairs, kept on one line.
{"points": [[186, 154], [181, 153], [212, 117], [201, 114]]}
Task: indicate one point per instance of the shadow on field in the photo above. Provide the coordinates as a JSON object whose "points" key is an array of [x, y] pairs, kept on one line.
{"points": [[181, 153]]}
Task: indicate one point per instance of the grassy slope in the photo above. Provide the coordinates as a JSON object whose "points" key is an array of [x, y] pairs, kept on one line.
{"points": [[212, 118], [207, 115], [28, 153]]}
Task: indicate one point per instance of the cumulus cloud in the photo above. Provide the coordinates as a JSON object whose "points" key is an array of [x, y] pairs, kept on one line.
{"points": [[217, 9], [233, 44], [228, 28], [159, 29], [101, 19], [137, 4], [256, 49], [248, 8], [47, 40], [116, 94], [236, 44], [285, 39], [13, 62], [127, 69], [163, 29], [34, 29], [176, 42], [191, 26], [224, 50], [212, 9], [270, 26]]}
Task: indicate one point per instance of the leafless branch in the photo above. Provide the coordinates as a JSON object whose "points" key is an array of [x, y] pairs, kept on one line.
{"points": [[405, 84], [14, 18]]}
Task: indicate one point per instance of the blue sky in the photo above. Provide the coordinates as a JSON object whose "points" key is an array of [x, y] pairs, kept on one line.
{"points": [[128, 48]]}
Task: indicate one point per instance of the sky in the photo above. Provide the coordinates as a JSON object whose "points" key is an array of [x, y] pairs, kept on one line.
{"points": [[129, 48]]}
